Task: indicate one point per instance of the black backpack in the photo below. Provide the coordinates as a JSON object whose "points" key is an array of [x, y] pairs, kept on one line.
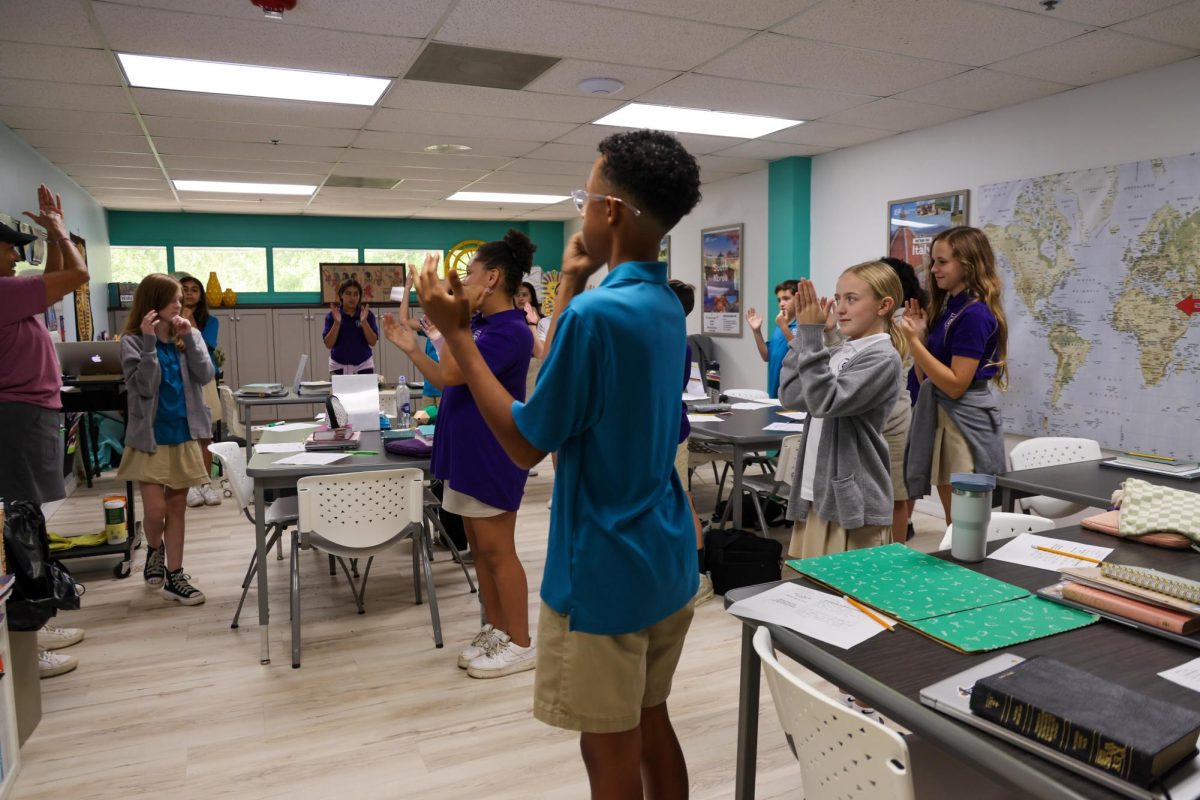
{"points": [[735, 558], [43, 585]]}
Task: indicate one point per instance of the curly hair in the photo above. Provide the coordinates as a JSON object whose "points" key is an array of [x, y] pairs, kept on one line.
{"points": [[512, 255], [661, 178]]}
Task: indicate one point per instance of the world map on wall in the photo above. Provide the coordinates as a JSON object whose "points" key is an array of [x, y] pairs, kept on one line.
{"points": [[1101, 272]]}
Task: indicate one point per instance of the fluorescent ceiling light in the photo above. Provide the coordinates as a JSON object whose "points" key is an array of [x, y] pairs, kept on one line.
{"points": [[506, 197], [229, 187], [188, 75], [695, 120]]}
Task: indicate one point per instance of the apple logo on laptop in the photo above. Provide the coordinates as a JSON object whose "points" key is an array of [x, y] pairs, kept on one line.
{"points": [[96, 359]]}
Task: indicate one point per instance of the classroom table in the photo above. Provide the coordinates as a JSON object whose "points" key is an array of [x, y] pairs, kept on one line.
{"points": [[247, 402], [1084, 482], [743, 430], [267, 475], [889, 670]]}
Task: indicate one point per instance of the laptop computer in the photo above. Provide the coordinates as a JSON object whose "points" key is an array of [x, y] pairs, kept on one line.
{"points": [[89, 361]]}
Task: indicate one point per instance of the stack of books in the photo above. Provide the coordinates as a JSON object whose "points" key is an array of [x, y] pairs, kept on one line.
{"points": [[1144, 597], [326, 438], [315, 387], [262, 390], [1158, 465]]}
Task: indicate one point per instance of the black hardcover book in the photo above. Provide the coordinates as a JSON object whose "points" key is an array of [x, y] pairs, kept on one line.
{"points": [[1135, 737]]}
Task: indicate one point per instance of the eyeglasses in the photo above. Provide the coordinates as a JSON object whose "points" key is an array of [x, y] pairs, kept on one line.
{"points": [[581, 196]]}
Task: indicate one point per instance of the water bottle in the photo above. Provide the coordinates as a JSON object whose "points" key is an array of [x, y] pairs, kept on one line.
{"points": [[970, 513], [403, 405]]}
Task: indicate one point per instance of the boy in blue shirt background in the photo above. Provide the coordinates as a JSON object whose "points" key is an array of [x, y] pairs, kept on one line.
{"points": [[621, 562], [784, 331]]}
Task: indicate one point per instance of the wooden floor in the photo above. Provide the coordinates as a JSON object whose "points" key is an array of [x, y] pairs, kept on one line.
{"points": [[170, 702]]}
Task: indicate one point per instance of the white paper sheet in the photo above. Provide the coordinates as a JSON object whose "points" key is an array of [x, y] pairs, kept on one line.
{"points": [[280, 447], [704, 418], [774, 401], [749, 405], [310, 459], [691, 397], [1022, 550], [291, 426], [359, 395], [793, 414], [792, 427], [826, 617], [1185, 674]]}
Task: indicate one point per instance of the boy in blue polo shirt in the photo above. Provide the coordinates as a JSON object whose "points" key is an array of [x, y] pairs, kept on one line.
{"points": [[621, 563]]}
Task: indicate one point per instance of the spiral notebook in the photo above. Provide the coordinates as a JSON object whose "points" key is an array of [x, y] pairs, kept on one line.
{"points": [[1155, 581]]}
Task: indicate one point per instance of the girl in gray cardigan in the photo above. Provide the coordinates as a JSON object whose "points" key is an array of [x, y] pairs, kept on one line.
{"points": [[841, 492], [166, 366]]}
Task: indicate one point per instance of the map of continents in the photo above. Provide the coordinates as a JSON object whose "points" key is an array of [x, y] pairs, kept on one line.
{"points": [[1101, 273]]}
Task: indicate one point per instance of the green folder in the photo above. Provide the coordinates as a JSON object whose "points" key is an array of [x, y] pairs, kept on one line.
{"points": [[977, 630]]}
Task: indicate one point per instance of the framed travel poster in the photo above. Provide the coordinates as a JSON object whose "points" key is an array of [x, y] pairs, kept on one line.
{"points": [[914, 221], [721, 280]]}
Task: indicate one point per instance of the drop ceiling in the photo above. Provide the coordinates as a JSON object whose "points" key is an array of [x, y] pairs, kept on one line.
{"points": [[854, 70]]}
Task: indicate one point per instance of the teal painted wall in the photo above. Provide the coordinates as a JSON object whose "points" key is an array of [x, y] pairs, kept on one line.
{"points": [[789, 236], [144, 228]]}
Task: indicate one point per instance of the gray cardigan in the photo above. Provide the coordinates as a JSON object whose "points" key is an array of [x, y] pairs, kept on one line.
{"points": [[139, 361], [977, 415], [853, 487]]}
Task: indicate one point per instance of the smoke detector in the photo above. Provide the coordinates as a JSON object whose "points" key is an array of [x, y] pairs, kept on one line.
{"points": [[273, 9], [600, 86]]}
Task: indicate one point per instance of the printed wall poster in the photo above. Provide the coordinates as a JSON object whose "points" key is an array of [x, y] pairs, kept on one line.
{"points": [[721, 278], [376, 280], [914, 221]]}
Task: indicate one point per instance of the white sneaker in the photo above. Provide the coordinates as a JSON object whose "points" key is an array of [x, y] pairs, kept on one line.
{"points": [[550, 502], [502, 657], [477, 647], [704, 592], [195, 499], [51, 663], [211, 496], [533, 473], [52, 638]]}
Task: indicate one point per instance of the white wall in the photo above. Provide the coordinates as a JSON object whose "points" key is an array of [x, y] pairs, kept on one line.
{"points": [[21, 170], [1145, 115]]}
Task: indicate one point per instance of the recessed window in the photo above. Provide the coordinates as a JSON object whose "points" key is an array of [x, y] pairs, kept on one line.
{"points": [[131, 264], [298, 269], [243, 269]]}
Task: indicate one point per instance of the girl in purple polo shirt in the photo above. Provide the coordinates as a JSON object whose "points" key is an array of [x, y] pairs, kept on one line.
{"points": [[350, 332], [958, 354], [483, 485]]}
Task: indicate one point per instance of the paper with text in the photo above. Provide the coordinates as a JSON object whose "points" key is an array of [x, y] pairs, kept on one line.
{"points": [[1185, 674], [310, 459], [792, 427], [818, 615], [1023, 550]]}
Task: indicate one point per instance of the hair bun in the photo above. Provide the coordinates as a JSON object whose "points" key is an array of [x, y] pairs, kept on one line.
{"points": [[521, 247]]}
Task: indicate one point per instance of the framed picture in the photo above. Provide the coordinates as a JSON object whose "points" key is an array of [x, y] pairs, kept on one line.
{"points": [[83, 298], [377, 280], [721, 279], [664, 252], [914, 221]]}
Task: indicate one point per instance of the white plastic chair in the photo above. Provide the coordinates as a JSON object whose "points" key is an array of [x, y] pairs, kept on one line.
{"points": [[1006, 526], [230, 415], [842, 753], [280, 514], [360, 515], [1049, 451]]}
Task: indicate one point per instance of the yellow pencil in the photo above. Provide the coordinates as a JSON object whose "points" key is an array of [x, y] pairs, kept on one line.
{"points": [[1150, 455], [1068, 555], [868, 612]]}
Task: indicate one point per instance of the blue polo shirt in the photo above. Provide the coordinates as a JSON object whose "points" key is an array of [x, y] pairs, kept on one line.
{"points": [[430, 390], [622, 549], [777, 348]]}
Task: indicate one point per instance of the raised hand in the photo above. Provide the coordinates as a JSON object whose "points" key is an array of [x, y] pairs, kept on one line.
{"points": [[445, 302], [914, 322], [810, 309], [755, 319], [829, 305], [50, 214], [399, 334], [363, 312], [336, 309], [181, 325], [530, 315], [577, 262], [148, 323]]}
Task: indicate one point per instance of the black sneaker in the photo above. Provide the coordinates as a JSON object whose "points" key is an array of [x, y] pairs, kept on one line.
{"points": [[155, 569], [177, 587]]}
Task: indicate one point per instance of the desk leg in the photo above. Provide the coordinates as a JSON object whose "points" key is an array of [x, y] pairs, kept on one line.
{"points": [[735, 496], [246, 428], [85, 445], [260, 547], [748, 696], [1006, 500]]}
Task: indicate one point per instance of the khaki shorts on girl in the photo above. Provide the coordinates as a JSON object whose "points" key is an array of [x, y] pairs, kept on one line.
{"points": [[600, 684], [951, 453]]}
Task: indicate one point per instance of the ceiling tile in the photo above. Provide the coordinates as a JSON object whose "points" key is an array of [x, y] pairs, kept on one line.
{"points": [[195, 198], [897, 115], [266, 176], [466, 214], [759, 15], [258, 41], [544, 167], [417, 142], [47, 22], [771, 151], [1177, 25], [521, 188], [241, 132], [782, 59], [751, 97], [413, 173], [221, 108], [384, 195], [70, 96], [83, 172], [696, 144], [944, 30], [40, 62], [240, 207], [736, 165], [414, 18], [52, 119], [562, 29], [828, 134], [446, 124], [1091, 12], [113, 142], [564, 78], [982, 90], [506, 103], [77, 154], [1097, 56], [535, 179], [266, 152], [397, 158], [173, 163], [712, 175], [580, 154]]}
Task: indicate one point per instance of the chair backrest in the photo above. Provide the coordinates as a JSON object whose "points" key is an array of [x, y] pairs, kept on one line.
{"points": [[746, 394], [1048, 451], [361, 509], [842, 753], [789, 450], [232, 459], [1006, 526], [229, 412]]}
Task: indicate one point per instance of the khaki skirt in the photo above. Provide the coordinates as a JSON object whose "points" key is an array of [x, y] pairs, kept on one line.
{"points": [[951, 453], [176, 466]]}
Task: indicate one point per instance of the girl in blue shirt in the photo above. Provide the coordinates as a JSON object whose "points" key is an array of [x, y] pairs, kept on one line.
{"points": [[195, 311]]}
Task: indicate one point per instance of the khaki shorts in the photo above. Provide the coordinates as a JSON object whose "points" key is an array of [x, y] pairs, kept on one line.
{"points": [[951, 453], [212, 400], [466, 506], [176, 466], [818, 537], [681, 463], [600, 684], [896, 442]]}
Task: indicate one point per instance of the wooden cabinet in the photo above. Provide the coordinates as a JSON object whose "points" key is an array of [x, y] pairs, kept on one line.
{"points": [[247, 337]]}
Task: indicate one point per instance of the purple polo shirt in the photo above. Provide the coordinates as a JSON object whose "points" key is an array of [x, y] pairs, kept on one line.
{"points": [[465, 452], [29, 371], [965, 327], [351, 346]]}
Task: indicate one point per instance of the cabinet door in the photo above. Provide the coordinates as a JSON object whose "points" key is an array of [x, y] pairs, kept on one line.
{"points": [[226, 343], [255, 344], [318, 353], [292, 340]]}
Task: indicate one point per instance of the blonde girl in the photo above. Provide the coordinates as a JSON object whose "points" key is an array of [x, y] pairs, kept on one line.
{"points": [[166, 366], [959, 348], [842, 492]]}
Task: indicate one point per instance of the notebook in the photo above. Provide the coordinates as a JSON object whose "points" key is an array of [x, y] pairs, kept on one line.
{"points": [[1155, 581]]}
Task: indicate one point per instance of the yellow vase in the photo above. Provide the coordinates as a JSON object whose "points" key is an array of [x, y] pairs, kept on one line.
{"points": [[229, 298], [213, 292]]}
